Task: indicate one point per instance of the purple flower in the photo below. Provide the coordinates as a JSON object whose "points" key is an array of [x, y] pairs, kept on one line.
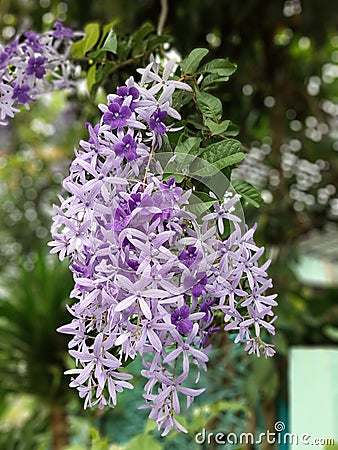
{"points": [[126, 148], [124, 91], [117, 115], [150, 74], [188, 256], [156, 122], [20, 93], [134, 201], [121, 219], [32, 41], [61, 31], [187, 347], [170, 189], [24, 62], [179, 317], [257, 319], [199, 289], [148, 276], [35, 66], [93, 133], [3, 59], [206, 308], [12, 47], [196, 283]]}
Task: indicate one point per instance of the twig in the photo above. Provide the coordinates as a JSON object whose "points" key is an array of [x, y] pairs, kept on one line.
{"points": [[163, 16], [151, 154]]}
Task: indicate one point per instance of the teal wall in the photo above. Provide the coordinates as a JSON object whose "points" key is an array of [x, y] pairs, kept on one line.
{"points": [[313, 395]]}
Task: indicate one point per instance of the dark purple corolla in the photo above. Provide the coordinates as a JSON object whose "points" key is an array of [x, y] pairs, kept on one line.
{"points": [[188, 256], [21, 94], [127, 148], [59, 30], [170, 190], [117, 115], [36, 66], [179, 318], [32, 41], [156, 122], [124, 92], [4, 56]]}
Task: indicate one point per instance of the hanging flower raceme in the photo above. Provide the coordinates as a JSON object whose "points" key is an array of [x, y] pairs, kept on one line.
{"points": [[32, 64], [150, 278]]}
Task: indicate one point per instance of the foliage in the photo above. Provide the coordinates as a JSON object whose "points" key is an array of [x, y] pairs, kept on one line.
{"points": [[32, 355], [35, 308], [23, 424], [33, 160]]}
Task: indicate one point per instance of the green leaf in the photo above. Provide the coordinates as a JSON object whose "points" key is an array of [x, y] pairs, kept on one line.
{"points": [[91, 77], [76, 49], [166, 145], [209, 105], [220, 165], [247, 191], [227, 229], [106, 28], [143, 441], [192, 61], [204, 197], [223, 405], [216, 128], [181, 98], [190, 145], [221, 67], [150, 426], [232, 130], [142, 32], [138, 43], [123, 49], [98, 443], [200, 202], [100, 72], [213, 79], [230, 160], [178, 177], [110, 44], [92, 34], [179, 167], [154, 42], [221, 149], [95, 53], [195, 121], [220, 155]]}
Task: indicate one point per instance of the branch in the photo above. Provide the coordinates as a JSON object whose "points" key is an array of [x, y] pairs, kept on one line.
{"points": [[163, 16]]}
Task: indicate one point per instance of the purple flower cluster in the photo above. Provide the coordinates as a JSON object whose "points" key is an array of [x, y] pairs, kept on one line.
{"points": [[150, 279], [25, 63]]}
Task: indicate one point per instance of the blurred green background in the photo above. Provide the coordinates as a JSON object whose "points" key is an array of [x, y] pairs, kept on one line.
{"points": [[284, 98]]}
